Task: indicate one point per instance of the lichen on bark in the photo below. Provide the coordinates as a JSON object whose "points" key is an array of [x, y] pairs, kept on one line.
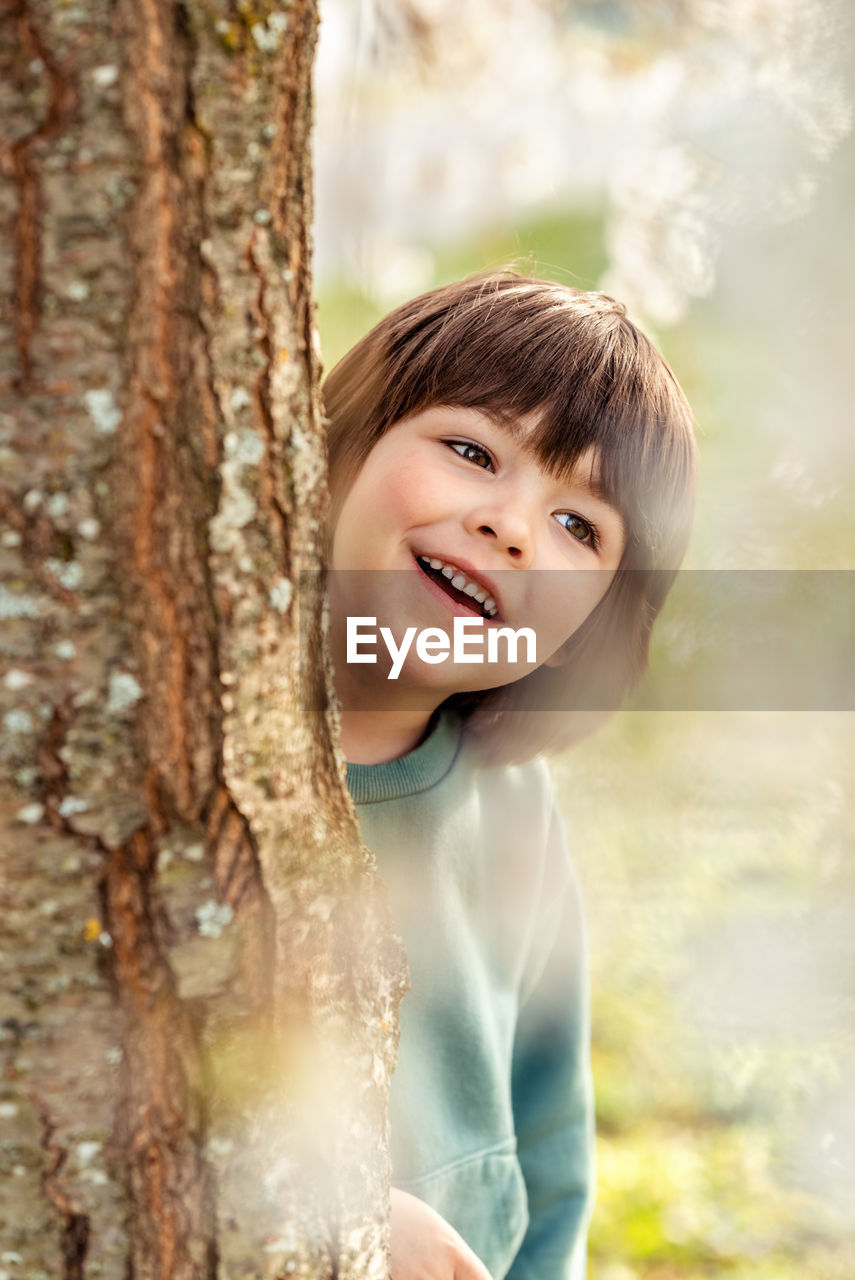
{"points": [[217, 937]]}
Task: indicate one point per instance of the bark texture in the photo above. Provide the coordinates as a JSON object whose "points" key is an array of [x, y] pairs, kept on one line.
{"points": [[199, 1009]]}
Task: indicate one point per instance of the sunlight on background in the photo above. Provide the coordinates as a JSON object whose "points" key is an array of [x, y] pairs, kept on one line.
{"points": [[695, 159]]}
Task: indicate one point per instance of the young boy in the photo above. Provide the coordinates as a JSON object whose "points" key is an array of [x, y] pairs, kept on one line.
{"points": [[514, 454]]}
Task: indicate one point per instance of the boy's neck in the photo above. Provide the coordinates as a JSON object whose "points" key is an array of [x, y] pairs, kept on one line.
{"points": [[375, 737], [381, 720]]}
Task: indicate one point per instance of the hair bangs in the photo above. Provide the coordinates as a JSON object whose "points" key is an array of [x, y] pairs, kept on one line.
{"points": [[623, 404]]}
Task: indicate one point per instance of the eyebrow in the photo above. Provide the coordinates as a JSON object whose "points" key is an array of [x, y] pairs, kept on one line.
{"points": [[594, 490]]}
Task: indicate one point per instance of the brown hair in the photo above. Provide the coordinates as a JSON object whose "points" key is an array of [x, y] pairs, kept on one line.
{"points": [[513, 346]]}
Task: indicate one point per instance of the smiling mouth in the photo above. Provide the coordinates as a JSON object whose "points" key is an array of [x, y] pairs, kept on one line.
{"points": [[459, 588]]}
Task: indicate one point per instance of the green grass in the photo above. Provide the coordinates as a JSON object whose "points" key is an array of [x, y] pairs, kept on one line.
{"points": [[687, 831]]}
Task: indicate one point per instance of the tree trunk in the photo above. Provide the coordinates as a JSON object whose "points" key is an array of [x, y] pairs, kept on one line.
{"points": [[199, 1016]]}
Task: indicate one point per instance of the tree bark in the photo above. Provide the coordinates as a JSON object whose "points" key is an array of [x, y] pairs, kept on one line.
{"points": [[199, 1017]]}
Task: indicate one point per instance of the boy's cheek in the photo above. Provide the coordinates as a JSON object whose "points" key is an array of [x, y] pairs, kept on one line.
{"points": [[583, 591]]}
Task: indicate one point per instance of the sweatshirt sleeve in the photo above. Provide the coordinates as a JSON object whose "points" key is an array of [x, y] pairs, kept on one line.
{"points": [[551, 1082]]}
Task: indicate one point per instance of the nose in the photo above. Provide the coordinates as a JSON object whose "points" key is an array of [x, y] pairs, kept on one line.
{"points": [[507, 526]]}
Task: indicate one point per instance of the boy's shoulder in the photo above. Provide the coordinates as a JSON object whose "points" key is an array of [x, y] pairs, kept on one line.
{"points": [[526, 786]]}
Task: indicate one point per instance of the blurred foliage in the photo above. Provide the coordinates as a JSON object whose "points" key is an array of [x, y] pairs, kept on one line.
{"points": [[723, 1089], [559, 246]]}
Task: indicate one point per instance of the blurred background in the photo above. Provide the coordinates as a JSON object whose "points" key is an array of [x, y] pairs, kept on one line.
{"points": [[694, 158]]}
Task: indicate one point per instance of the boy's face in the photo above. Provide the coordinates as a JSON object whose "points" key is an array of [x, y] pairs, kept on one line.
{"points": [[451, 489]]}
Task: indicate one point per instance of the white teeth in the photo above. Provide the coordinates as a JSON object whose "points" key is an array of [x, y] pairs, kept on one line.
{"points": [[461, 583]]}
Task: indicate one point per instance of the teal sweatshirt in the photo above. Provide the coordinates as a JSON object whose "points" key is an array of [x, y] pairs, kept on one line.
{"points": [[491, 1105]]}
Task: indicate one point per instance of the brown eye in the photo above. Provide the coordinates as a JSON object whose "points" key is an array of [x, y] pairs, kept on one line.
{"points": [[474, 453], [581, 530]]}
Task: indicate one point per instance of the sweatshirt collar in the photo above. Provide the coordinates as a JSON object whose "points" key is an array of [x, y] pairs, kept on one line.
{"points": [[420, 769]]}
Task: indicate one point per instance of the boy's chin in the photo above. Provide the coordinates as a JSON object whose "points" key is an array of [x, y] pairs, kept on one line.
{"points": [[475, 679]]}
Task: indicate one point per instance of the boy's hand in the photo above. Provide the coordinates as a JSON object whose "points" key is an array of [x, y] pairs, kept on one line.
{"points": [[426, 1247]]}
